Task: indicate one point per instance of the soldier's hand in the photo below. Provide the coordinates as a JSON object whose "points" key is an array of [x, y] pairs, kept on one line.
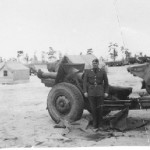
{"points": [[106, 94], [86, 94]]}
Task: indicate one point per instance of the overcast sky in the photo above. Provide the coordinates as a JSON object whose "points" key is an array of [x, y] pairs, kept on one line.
{"points": [[73, 26]]}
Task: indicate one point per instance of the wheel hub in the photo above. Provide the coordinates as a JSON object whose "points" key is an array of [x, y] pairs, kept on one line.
{"points": [[63, 105]]}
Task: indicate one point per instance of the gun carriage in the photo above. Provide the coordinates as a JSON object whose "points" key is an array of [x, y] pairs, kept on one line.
{"points": [[66, 100]]}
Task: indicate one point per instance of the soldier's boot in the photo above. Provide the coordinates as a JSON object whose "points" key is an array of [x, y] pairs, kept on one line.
{"points": [[95, 123], [100, 116], [95, 120]]}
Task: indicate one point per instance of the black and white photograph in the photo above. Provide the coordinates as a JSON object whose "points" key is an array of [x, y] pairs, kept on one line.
{"points": [[74, 73]]}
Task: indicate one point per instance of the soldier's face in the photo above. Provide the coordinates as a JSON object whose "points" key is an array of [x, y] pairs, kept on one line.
{"points": [[95, 65]]}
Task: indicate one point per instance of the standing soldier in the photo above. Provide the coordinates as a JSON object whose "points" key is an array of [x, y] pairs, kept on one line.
{"points": [[95, 86]]}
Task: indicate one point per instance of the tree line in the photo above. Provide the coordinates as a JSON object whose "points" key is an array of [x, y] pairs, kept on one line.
{"points": [[50, 55]]}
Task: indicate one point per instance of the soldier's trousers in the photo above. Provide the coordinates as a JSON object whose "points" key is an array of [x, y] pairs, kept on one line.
{"points": [[96, 110]]}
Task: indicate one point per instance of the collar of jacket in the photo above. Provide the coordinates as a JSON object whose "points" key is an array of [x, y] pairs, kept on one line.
{"points": [[97, 69]]}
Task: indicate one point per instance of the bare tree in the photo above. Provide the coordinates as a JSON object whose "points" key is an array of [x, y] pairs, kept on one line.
{"points": [[60, 55], [126, 52], [43, 53], [51, 53], [26, 58], [19, 54], [35, 59], [141, 54], [113, 50], [1, 60], [89, 51]]}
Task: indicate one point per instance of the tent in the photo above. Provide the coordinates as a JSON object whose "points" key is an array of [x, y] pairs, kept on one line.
{"points": [[13, 72]]}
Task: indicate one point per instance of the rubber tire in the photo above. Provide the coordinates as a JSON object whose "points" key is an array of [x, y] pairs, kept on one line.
{"points": [[147, 88], [75, 97]]}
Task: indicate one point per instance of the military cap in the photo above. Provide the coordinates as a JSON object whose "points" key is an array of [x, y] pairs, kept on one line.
{"points": [[95, 60]]}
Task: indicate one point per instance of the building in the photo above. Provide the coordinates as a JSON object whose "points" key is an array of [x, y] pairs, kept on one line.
{"points": [[13, 72]]}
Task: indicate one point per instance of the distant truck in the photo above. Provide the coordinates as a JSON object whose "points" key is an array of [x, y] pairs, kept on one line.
{"points": [[142, 71], [115, 63], [139, 60]]}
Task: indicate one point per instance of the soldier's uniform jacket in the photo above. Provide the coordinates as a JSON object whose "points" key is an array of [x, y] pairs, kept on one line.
{"points": [[95, 84]]}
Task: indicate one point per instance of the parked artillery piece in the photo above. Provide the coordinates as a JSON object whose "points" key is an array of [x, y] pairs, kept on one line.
{"points": [[142, 71], [66, 100]]}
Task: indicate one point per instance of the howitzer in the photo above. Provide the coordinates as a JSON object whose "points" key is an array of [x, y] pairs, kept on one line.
{"points": [[142, 71], [66, 100]]}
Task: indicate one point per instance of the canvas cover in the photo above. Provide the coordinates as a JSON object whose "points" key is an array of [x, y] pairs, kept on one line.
{"points": [[74, 59], [81, 59]]}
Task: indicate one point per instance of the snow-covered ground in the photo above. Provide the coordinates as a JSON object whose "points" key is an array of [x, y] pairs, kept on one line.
{"points": [[25, 122]]}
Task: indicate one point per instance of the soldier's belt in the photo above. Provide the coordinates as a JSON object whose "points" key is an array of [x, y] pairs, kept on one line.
{"points": [[96, 84]]}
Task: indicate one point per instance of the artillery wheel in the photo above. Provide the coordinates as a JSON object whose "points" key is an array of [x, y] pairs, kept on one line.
{"points": [[65, 102], [148, 88], [147, 85]]}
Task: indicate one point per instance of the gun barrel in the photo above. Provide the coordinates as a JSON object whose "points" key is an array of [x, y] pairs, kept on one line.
{"points": [[46, 75], [51, 75], [133, 104]]}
